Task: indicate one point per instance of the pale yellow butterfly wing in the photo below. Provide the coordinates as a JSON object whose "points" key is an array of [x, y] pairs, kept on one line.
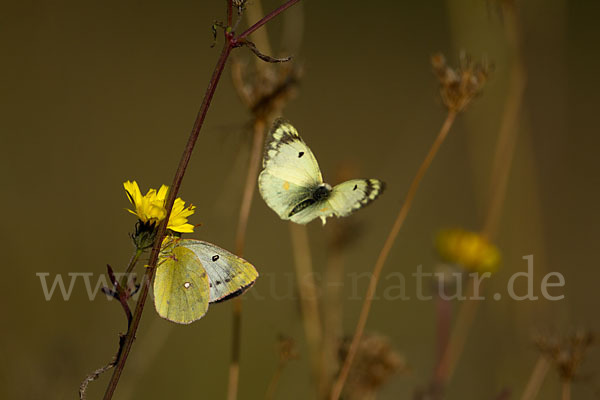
{"points": [[344, 199], [228, 274], [181, 286], [281, 195], [290, 169], [351, 195]]}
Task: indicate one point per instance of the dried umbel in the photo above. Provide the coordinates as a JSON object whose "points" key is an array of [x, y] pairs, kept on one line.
{"points": [[286, 348], [567, 353], [268, 89], [376, 361], [459, 86]]}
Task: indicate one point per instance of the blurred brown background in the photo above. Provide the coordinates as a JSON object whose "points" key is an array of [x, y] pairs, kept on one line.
{"points": [[96, 93]]}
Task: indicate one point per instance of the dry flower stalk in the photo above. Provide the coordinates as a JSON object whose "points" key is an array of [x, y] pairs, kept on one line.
{"points": [[265, 95], [457, 88], [287, 351]]}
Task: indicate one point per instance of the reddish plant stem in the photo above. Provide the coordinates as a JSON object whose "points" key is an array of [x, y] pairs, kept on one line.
{"points": [[267, 18], [458, 338], [185, 158], [236, 341], [443, 323], [229, 12], [230, 43]]}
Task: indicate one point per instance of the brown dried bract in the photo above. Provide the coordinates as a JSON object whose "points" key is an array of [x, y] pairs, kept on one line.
{"points": [[286, 347], [267, 90], [567, 353], [376, 361], [459, 86]]}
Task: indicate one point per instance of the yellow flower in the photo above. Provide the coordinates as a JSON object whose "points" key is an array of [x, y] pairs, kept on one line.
{"points": [[151, 207], [469, 249]]}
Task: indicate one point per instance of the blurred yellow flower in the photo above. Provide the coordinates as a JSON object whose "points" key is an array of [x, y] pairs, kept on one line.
{"points": [[151, 207], [469, 249]]}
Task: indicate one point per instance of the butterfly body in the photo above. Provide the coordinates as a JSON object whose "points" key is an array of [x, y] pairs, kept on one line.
{"points": [[292, 185]]}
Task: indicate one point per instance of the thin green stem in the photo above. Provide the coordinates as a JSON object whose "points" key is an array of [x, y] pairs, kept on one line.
{"points": [[132, 263]]}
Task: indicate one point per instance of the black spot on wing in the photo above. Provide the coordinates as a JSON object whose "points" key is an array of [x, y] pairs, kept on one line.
{"points": [[215, 257], [300, 154]]}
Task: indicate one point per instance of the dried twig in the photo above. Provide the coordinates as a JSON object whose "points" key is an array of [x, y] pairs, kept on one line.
{"points": [[412, 191], [265, 97]]}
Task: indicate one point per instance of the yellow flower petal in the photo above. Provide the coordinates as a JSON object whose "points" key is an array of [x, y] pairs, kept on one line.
{"points": [[183, 228], [151, 207], [162, 193], [469, 249], [133, 191]]}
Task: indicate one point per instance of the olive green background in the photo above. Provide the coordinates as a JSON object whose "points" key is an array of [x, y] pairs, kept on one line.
{"points": [[98, 92]]}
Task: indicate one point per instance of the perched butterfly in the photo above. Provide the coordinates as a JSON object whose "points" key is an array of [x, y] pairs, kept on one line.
{"points": [[292, 185], [191, 274]]}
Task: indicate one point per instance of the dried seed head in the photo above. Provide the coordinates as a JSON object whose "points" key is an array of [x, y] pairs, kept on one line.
{"points": [[286, 347], [376, 361], [240, 5], [459, 86], [567, 352], [266, 91]]}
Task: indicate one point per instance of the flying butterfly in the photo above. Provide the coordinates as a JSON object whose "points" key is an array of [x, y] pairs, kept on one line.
{"points": [[292, 185], [192, 273]]}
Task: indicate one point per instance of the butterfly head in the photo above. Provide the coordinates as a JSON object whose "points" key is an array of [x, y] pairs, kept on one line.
{"points": [[322, 192]]}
